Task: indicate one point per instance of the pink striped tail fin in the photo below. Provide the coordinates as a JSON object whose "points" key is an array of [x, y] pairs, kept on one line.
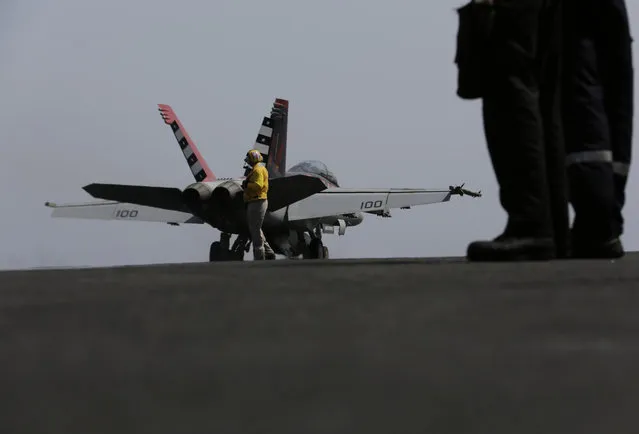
{"points": [[197, 164]]}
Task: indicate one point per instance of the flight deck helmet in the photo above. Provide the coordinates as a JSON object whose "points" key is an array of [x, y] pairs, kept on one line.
{"points": [[253, 157]]}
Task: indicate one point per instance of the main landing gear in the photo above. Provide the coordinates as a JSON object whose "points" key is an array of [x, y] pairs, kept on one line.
{"points": [[220, 250], [316, 249]]}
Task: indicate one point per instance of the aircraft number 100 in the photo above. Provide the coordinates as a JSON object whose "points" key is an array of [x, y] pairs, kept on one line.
{"points": [[370, 204], [126, 213]]}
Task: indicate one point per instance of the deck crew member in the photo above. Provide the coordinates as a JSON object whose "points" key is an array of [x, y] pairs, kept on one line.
{"points": [[255, 196]]}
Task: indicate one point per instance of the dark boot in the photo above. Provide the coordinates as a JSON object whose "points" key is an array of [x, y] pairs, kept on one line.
{"points": [[269, 254], [508, 248], [588, 249], [258, 254]]}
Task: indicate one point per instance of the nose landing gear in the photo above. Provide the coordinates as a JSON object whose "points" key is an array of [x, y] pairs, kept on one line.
{"points": [[220, 250]]}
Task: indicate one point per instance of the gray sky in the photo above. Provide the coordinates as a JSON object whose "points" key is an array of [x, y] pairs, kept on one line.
{"points": [[372, 91]]}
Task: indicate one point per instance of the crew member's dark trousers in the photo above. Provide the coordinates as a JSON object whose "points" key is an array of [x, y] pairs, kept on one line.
{"points": [[598, 115], [522, 119]]}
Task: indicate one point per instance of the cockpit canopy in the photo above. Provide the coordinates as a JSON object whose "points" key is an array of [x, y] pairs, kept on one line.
{"points": [[315, 167]]}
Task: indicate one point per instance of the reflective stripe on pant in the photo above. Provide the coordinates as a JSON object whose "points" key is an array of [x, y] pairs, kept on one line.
{"points": [[598, 185], [598, 113], [255, 212], [619, 168]]}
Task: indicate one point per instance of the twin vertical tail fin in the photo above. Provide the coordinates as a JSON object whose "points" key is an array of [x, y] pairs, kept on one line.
{"points": [[197, 164], [271, 138], [270, 141], [276, 162]]}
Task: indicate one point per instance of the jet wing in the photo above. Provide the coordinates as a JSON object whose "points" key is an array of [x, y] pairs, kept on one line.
{"points": [[335, 201], [120, 211], [289, 189]]}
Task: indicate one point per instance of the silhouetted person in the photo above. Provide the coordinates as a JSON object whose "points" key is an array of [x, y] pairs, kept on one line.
{"points": [[598, 112], [509, 55], [256, 198]]}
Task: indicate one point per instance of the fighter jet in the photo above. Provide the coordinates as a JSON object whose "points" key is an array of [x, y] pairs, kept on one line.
{"points": [[304, 201]]}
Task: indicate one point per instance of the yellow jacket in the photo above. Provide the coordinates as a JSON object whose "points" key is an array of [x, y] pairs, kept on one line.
{"points": [[256, 184]]}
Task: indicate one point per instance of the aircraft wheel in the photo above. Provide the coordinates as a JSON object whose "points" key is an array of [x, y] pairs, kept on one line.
{"points": [[236, 256], [316, 248], [217, 253]]}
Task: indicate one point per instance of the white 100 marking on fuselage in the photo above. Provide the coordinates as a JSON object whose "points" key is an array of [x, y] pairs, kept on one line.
{"points": [[126, 213], [371, 204]]}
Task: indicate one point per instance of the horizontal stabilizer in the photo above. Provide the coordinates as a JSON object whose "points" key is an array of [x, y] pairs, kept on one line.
{"points": [[286, 190], [157, 197], [335, 201], [120, 211]]}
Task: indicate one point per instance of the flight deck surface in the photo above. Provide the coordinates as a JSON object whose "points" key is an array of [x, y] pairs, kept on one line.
{"points": [[338, 346]]}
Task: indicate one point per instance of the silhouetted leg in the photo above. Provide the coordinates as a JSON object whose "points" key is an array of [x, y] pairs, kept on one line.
{"points": [[597, 117], [255, 216], [514, 129], [615, 47]]}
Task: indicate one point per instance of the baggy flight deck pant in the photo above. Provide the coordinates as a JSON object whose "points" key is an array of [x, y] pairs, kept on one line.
{"points": [[512, 58], [598, 112], [255, 212]]}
